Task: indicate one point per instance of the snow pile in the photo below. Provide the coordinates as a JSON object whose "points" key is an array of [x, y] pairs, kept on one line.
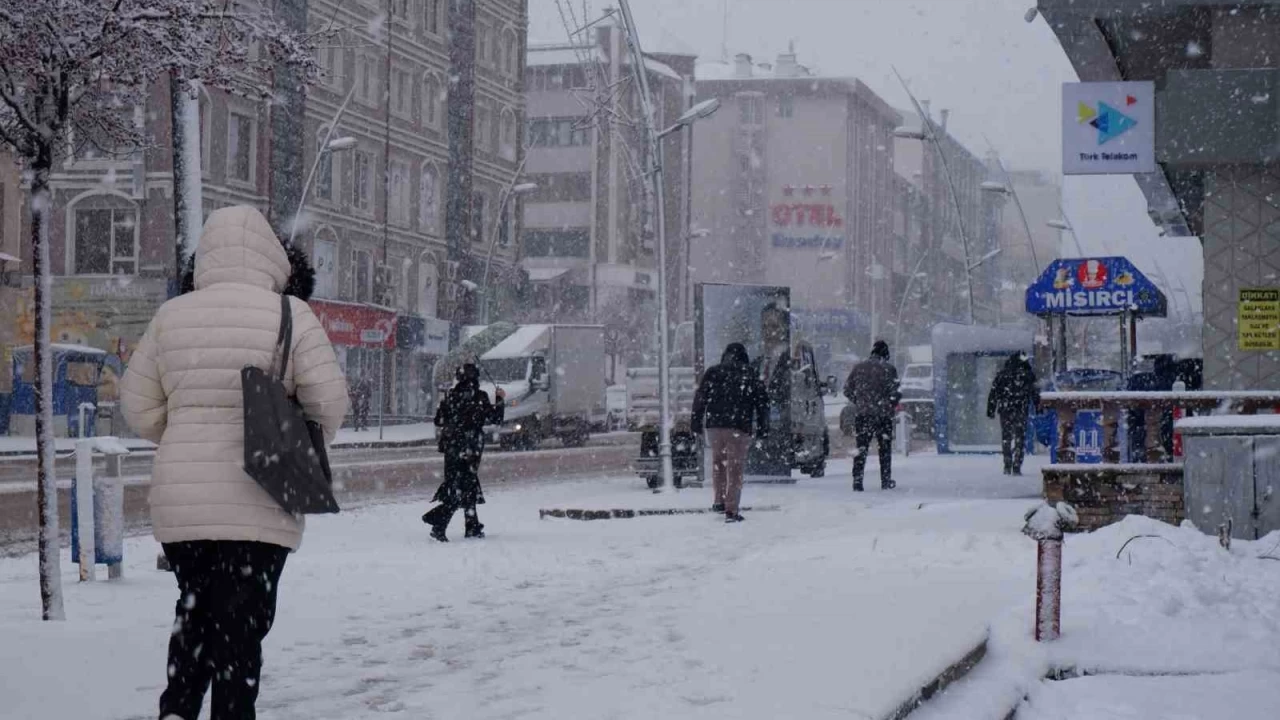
{"points": [[1161, 617]]}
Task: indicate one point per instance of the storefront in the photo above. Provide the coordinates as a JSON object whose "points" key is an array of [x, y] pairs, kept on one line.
{"points": [[364, 339]]}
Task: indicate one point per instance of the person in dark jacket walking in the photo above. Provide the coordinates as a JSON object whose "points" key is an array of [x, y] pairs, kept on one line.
{"points": [[460, 422], [873, 390], [1013, 393], [730, 404], [361, 395]]}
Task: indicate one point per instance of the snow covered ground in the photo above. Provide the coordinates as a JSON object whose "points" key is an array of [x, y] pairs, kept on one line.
{"points": [[836, 606], [414, 432], [1173, 626]]}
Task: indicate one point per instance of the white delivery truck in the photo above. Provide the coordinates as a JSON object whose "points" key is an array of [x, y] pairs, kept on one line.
{"points": [[553, 377]]}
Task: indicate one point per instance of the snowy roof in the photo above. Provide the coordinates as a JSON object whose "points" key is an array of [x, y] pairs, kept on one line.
{"points": [[523, 342], [545, 55]]}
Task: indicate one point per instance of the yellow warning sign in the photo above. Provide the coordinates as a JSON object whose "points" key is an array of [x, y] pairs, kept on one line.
{"points": [[1258, 319]]}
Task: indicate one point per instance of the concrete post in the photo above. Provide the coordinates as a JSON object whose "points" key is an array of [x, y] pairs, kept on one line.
{"points": [[84, 508], [1046, 524]]}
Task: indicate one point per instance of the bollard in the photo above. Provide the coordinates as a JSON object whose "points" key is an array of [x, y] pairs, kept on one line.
{"points": [[1046, 524], [1178, 413], [97, 510], [904, 434], [84, 505]]}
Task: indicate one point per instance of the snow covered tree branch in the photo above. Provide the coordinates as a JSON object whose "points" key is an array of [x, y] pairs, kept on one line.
{"points": [[73, 74]]}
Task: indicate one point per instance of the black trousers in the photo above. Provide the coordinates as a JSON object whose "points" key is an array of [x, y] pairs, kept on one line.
{"points": [[460, 491], [1013, 440], [226, 606], [865, 428]]}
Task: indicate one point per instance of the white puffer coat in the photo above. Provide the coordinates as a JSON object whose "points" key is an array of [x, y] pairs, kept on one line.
{"points": [[182, 388]]}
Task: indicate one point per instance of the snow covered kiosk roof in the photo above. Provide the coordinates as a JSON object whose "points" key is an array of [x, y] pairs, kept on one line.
{"points": [[523, 342]]}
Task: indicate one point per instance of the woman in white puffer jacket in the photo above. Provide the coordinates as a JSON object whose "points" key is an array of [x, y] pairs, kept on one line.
{"points": [[225, 537]]}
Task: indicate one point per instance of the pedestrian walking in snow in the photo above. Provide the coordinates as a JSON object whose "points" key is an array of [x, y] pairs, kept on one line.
{"points": [[360, 403], [729, 405], [1013, 393], [460, 422], [224, 536], [874, 393]]}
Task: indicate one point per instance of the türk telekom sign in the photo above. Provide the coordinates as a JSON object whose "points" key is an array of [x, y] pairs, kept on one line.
{"points": [[354, 325], [806, 218], [1094, 286]]}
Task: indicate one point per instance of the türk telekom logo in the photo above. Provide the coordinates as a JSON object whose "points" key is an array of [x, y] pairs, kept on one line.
{"points": [[1092, 274]]}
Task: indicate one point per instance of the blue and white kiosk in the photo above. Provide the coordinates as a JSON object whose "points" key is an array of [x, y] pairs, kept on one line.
{"points": [[1093, 287]]}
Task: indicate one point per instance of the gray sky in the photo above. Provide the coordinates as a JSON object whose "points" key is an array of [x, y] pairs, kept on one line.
{"points": [[1000, 77]]}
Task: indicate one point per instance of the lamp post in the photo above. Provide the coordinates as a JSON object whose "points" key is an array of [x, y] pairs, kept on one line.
{"points": [[330, 144], [929, 133], [654, 169], [511, 190], [1065, 225], [906, 292]]}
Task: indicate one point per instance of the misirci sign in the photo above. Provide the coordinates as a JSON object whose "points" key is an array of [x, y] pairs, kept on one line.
{"points": [[1094, 286]]}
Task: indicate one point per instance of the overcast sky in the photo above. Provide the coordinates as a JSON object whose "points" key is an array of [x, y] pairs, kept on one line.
{"points": [[1000, 77]]}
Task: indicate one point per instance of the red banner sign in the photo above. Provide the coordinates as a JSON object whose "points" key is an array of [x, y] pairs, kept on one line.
{"points": [[356, 325], [818, 215]]}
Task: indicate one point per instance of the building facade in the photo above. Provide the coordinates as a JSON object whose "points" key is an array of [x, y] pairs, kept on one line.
{"points": [[390, 248], [794, 185], [588, 239]]}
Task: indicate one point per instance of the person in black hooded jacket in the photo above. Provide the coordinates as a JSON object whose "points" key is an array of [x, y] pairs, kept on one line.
{"points": [[1013, 392], [730, 404], [460, 422]]}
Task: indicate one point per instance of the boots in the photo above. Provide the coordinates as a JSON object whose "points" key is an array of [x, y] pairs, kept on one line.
{"points": [[475, 529]]}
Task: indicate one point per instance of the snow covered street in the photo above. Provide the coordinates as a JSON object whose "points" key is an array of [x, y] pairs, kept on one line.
{"points": [[836, 606]]}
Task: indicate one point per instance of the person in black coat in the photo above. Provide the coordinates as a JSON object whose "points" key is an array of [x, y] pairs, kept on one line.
{"points": [[730, 406], [874, 391], [1013, 392], [460, 422]]}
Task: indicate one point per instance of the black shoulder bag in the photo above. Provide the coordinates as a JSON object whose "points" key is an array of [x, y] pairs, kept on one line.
{"points": [[283, 450]]}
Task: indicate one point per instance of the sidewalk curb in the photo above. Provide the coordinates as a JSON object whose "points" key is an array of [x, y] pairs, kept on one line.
{"points": [[954, 672]]}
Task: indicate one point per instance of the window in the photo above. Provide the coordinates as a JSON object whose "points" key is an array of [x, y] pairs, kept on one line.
{"points": [[558, 132], [432, 101], [786, 106], [484, 46], [504, 228], [751, 109], [431, 16], [398, 201], [361, 181], [398, 281], [401, 92], [106, 241], [331, 59], [484, 130], [507, 135], [477, 217], [362, 276], [324, 256], [367, 79], [429, 200], [324, 168], [512, 42], [556, 243], [206, 127], [242, 144], [400, 9]]}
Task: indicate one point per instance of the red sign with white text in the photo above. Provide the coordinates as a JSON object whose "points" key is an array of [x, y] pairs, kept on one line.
{"points": [[356, 325]]}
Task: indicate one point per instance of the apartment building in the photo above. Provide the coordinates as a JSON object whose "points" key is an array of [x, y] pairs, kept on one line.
{"points": [[428, 97]]}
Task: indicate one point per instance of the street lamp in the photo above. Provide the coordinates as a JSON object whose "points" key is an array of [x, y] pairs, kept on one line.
{"points": [[654, 169], [929, 133], [513, 189], [1064, 224], [342, 143], [906, 292]]}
